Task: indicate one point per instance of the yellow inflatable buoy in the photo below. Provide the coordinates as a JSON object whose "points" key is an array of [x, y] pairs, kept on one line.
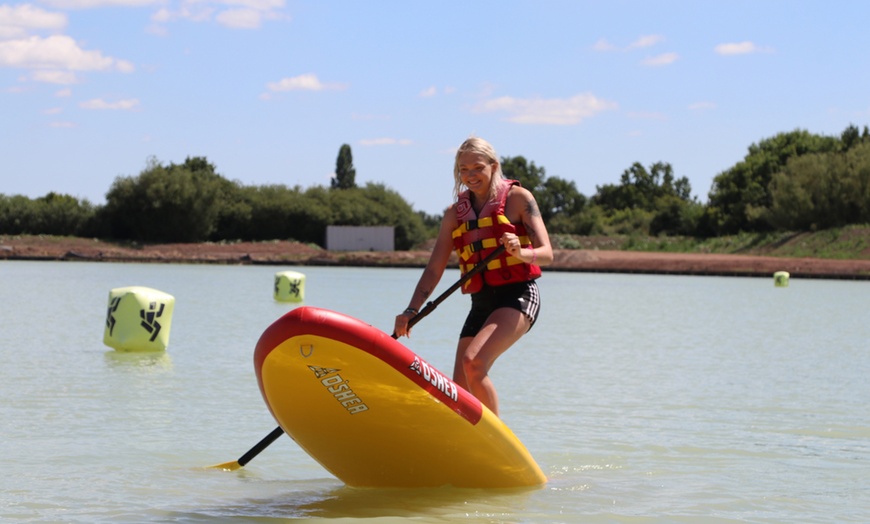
{"points": [[289, 286], [780, 279], [138, 319]]}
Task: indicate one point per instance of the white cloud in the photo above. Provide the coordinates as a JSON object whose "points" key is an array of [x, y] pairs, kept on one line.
{"points": [[234, 14], [57, 52], [429, 92], [18, 21], [604, 45], [554, 111], [8, 32], [306, 82], [646, 41], [649, 115], [240, 18], [193, 13], [90, 4], [55, 77], [162, 15], [702, 106], [124, 66], [740, 48], [385, 142], [99, 103], [661, 60], [63, 93], [259, 5], [157, 30]]}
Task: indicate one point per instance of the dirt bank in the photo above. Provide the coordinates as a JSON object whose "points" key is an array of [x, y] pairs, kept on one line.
{"points": [[294, 253]]}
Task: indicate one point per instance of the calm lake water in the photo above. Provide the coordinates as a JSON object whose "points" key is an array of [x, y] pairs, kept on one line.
{"points": [[643, 398]]}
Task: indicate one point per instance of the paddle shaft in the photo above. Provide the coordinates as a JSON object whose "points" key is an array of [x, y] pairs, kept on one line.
{"points": [[263, 444], [430, 306]]}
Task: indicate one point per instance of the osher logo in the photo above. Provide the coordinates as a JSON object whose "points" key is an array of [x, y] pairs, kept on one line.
{"points": [[429, 374], [339, 389]]}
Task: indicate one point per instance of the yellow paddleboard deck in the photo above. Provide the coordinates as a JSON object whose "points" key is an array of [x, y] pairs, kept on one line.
{"points": [[374, 414]]}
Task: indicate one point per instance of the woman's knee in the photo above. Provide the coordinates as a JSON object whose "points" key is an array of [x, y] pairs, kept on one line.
{"points": [[473, 368]]}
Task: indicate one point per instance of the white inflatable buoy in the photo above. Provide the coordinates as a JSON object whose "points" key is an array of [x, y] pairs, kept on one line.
{"points": [[289, 286], [138, 319], [780, 279]]}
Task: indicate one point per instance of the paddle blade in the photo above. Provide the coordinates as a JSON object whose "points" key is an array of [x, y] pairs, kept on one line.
{"points": [[253, 452], [227, 466]]}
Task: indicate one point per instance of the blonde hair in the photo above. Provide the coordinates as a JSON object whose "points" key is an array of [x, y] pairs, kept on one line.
{"points": [[482, 147]]}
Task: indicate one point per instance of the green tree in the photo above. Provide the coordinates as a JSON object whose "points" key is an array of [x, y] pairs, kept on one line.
{"points": [[529, 175], [850, 137], [640, 188], [345, 174], [393, 210], [174, 203], [376, 205], [431, 222], [822, 191], [62, 214], [740, 196], [235, 210], [52, 214], [554, 195], [18, 215], [676, 216], [561, 198], [279, 212], [649, 201]]}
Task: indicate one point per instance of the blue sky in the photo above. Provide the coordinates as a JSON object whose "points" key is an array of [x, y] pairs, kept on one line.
{"points": [[269, 90]]}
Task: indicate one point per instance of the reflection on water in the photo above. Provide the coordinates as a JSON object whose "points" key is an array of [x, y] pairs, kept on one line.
{"points": [[643, 398], [153, 361], [355, 503]]}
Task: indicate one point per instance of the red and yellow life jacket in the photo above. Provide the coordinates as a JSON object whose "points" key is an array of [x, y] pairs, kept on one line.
{"points": [[477, 236]]}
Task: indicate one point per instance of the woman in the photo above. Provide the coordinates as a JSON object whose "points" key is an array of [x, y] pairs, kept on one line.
{"points": [[489, 210]]}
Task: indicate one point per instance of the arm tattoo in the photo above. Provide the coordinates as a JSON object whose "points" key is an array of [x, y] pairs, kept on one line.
{"points": [[424, 294], [533, 237], [532, 211]]}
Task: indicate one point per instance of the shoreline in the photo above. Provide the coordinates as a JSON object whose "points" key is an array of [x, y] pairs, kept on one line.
{"points": [[289, 253]]}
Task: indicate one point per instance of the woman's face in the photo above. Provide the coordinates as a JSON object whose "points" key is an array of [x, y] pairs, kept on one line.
{"points": [[475, 172]]}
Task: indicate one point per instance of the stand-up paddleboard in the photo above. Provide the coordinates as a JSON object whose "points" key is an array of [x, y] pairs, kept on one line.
{"points": [[375, 414]]}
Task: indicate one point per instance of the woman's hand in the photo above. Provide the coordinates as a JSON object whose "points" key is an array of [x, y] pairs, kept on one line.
{"points": [[512, 245], [401, 328]]}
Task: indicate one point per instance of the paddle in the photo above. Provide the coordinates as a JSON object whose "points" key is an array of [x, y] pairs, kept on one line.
{"points": [[430, 306]]}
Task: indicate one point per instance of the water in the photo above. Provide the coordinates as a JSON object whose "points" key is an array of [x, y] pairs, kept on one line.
{"points": [[643, 398]]}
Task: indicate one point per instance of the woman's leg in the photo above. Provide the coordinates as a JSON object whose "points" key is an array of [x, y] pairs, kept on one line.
{"points": [[475, 355]]}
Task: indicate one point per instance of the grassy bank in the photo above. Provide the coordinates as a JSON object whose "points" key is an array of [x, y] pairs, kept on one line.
{"points": [[852, 242]]}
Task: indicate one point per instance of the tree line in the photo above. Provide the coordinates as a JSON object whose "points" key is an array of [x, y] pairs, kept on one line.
{"points": [[192, 202], [793, 181]]}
